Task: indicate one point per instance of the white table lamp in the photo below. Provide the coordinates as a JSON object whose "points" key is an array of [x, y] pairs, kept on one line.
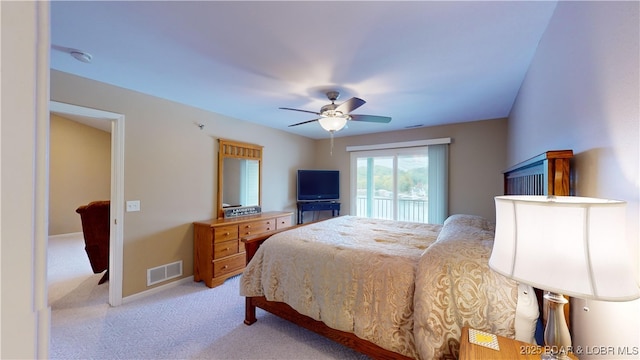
{"points": [[565, 245]]}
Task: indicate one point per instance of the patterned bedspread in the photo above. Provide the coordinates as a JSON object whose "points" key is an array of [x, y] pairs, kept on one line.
{"points": [[455, 287], [360, 275]]}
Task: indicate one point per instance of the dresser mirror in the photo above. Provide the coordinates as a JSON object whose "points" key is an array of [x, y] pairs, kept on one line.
{"points": [[239, 177]]}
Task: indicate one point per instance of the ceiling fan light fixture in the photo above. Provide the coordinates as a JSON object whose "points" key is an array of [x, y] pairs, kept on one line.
{"points": [[333, 117], [333, 123]]}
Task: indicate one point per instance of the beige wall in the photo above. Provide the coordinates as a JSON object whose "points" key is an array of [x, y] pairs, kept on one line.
{"points": [[171, 167], [582, 93], [79, 171], [477, 156], [24, 318]]}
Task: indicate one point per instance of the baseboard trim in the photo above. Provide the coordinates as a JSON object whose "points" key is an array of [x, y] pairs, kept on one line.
{"points": [[67, 235], [143, 294]]}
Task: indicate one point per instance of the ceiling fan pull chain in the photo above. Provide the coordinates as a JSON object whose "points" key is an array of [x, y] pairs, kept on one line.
{"points": [[331, 150]]}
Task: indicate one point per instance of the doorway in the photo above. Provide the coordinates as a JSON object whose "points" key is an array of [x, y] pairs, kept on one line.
{"points": [[117, 186]]}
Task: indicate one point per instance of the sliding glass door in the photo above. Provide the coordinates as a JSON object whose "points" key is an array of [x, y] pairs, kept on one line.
{"points": [[395, 184]]}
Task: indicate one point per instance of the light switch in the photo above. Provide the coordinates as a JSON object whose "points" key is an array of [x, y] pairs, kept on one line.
{"points": [[133, 205]]}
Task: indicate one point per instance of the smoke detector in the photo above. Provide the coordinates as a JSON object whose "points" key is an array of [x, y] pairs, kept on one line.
{"points": [[81, 56]]}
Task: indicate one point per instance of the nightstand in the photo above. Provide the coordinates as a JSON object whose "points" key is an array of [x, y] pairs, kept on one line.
{"points": [[509, 349]]}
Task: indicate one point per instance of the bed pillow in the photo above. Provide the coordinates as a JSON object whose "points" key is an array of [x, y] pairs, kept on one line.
{"points": [[474, 221], [462, 225], [527, 314], [455, 287]]}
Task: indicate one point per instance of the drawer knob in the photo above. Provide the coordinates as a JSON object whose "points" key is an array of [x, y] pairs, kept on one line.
{"points": [[224, 267], [227, 233], [226, 249]]}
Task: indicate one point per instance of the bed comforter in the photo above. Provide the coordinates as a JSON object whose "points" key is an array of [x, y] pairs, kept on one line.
{"points": [[406, 287]]}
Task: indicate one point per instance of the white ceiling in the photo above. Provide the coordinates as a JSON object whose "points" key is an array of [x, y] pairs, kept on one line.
{"points": [[420, 62]]}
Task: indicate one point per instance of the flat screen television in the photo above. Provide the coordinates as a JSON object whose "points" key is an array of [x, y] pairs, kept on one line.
{"points": [[318, 185]]}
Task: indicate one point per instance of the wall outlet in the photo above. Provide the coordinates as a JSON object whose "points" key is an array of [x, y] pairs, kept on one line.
{"points": [[133, 205]]}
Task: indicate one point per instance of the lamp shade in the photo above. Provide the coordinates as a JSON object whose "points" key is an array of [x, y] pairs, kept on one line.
{"points": [[333, 123], [566, 244]]}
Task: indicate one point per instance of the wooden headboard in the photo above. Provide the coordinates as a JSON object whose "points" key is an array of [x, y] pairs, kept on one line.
{"points": [[546, 174]]}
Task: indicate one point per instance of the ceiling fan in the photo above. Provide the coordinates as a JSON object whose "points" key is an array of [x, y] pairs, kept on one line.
{"points": [[334, 117]]}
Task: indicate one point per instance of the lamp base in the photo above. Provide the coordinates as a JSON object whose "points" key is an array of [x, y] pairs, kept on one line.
{"points": [[557, 339]]}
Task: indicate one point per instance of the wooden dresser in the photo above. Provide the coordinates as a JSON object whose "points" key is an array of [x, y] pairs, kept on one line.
{"points": [[218, 252]]}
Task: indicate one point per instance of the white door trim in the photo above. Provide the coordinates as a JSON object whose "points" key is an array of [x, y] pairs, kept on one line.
{"points": [[116, 245]]}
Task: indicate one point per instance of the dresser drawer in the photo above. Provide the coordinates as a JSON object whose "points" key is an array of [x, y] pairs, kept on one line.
{"points": [[283, 222], [219, 253], [226, 248], [225, 233], [256, 227], [229, 264]]}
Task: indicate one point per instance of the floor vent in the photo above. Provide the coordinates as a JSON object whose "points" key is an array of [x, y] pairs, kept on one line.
{"points": [[165, 272]]}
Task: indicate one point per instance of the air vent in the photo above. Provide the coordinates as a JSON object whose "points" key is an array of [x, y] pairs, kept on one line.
{"points": [[165, 272]]}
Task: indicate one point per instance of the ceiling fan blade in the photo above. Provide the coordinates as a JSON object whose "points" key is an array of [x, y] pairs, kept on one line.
{"points": [[304, 122], [370, 118], [350, 105], [307, 111]]}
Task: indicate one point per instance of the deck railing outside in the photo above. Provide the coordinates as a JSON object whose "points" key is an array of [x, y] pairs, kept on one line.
{"points": [[409, 209]]}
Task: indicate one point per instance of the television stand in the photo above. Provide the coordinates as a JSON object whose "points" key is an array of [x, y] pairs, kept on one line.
{"points": [[303, 206]]}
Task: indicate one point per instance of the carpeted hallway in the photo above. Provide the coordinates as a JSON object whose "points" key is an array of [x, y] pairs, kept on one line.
{"points": [[188, 321]]}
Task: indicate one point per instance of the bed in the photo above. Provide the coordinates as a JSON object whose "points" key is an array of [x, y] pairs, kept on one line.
{"points": [[405, 299]]}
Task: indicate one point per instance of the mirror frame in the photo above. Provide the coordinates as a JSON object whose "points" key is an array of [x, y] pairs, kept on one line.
{"points": [[237, 150]]}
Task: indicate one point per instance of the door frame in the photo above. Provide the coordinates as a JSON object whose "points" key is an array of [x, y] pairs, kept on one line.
{"points": [[116, 243]]}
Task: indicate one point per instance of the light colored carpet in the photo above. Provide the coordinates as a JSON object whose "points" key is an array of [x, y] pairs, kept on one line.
{"points": [[189, 321]]}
